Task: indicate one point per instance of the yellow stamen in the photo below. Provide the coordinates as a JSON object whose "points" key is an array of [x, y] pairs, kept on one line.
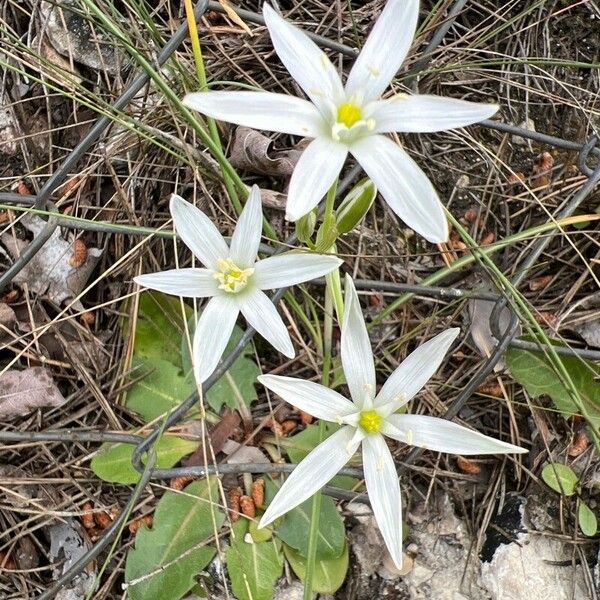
{"points": [[349, 114], [231, 278], [370, 421]]}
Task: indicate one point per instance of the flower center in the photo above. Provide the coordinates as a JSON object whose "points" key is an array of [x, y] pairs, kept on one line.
{"points": [[231, 278], [370, 421], [349, 114]]}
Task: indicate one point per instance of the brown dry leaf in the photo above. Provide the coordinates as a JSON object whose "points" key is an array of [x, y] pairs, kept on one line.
{"points": [[54, 67], [49, 273], [234, 16], [480, 312], [24, 391], [251, 151], [222, 431]]}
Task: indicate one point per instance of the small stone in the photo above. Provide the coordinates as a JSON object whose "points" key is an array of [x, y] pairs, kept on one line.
{"points": [[391, 571]]}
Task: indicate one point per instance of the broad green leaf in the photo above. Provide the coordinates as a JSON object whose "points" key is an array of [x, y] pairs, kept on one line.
{"points": [[253, 568], [560, 478], [534, 371], [329, 573], [159, 387], [159, 327], [113, 461], [299, 445], [587, 520], [177, 547], [236, 387], [294, 527]]}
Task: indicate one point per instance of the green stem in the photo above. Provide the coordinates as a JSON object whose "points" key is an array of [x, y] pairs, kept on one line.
{"points": [[333, 295], [315, 513]]}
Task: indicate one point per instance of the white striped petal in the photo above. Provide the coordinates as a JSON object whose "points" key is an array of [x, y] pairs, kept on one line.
{"points": [[292, 268], [312, 473], [259, 110], [246, 237], [261, 314], [304, 60], [357, 356], [415, 371], [190, 283], [384, 493], [385, 49], [310, 397], [212, 334], [315, 172], [198, 232], [420, 114], [403, 185], [441, 435]]}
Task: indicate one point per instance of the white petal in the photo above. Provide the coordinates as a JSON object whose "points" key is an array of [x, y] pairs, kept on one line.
{"points": [[259, 110], [315, 172], [292, 268], [424, 113], [415, 371], [304, 60], [198, 232], [246, 237], [310, 397], [190, 283], [357, 356], [441, 435], [403, 185], [212, 334], [384, 493], [385, 49], [312, 473], [261, 314]]}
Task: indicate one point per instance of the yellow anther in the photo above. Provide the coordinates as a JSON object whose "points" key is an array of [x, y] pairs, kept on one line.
{"points": [[370, 421], [231, 278], [349, 114]]}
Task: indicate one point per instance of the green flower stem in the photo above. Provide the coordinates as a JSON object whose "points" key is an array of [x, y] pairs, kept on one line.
{"points": [[332, 296]]}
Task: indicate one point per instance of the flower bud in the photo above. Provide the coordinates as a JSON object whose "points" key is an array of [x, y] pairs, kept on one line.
{"points": [[355, 205]]}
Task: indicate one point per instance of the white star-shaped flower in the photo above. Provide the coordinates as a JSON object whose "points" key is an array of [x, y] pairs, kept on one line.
{"points": [[233, 279], [367, 419], [351, 118]]}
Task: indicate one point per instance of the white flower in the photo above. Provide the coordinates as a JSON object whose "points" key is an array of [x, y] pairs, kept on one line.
{"points": [[233, 280], [367, 419], [351, 118]]}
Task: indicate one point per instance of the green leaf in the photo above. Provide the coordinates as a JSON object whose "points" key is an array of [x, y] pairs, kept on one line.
{"points": [[159, 387], [294, 527], [253, 568], [113, 461], [329, 573], [236, 387], [299, 445], [174, 550], [560, 478], [587, 520], [534, 371], [159, 327]]}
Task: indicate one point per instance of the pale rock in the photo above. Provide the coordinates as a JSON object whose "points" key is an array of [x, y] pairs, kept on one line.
{"points": [[527, 569], [444, 566]]}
